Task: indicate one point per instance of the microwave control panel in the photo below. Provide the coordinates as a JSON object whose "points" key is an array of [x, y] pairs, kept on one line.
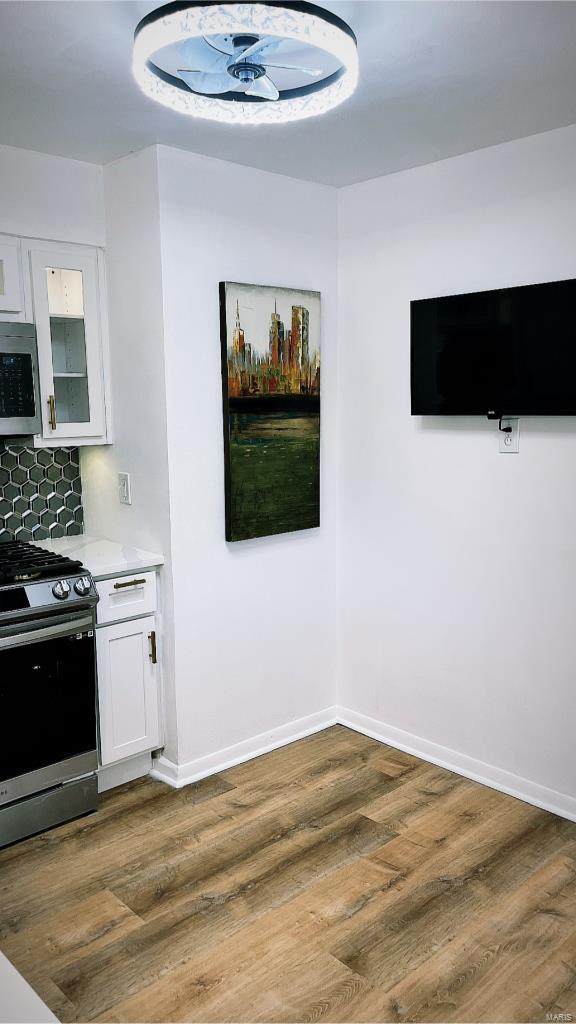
{"points": [[16, 385]]}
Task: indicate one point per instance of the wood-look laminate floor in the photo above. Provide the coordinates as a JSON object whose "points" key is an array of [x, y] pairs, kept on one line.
{"points": [[335, 879]]}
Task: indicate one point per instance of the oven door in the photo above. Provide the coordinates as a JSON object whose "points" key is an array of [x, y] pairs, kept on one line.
{"points": [[47, 704]]}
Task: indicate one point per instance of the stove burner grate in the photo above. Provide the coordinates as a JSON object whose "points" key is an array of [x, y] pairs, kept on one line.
{"points": [[22, 563]]}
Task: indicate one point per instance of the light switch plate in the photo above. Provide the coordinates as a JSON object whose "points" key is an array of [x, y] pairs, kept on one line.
{"points": [[124, 492], [509, 440]]}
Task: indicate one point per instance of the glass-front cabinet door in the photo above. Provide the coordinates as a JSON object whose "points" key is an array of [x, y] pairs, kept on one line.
{"points": [[66, 305]]}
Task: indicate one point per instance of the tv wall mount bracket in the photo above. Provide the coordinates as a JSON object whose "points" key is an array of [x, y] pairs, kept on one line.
{"points": [[502, 418]]}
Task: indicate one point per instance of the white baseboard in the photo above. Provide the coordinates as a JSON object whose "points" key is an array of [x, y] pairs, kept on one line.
{"points": [[112, 775], [489, 775], [183, 774]]}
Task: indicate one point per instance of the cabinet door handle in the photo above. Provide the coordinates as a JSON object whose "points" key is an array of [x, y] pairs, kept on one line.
{"points": [[152, 641], [129, 583], [52, 411]]}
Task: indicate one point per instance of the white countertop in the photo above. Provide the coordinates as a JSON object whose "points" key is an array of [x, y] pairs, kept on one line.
{"points": [[103, 557]]}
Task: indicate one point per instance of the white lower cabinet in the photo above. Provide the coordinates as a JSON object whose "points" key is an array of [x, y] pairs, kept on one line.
{"points": [[127, 688]]}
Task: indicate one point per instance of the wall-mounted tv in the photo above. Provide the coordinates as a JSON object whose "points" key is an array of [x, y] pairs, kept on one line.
{"points": [[506, 352]]}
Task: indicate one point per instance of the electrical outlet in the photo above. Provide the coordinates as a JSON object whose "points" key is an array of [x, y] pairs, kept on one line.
{"points": [[509, 440], [124, 489]]}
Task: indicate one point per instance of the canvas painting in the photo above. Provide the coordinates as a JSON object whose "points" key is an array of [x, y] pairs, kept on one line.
{"points": [[270, 339]]}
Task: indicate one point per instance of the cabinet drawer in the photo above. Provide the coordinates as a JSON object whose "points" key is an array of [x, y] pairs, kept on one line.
{"points": [[126, 596]]}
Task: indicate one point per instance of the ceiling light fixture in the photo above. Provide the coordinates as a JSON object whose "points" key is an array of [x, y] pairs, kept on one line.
{"points": [[246, 63]]}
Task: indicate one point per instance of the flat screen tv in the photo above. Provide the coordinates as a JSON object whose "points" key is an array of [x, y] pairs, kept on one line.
{"points": [[506, 352]]}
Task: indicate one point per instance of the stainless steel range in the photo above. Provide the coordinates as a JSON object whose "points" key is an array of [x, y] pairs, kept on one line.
{"points": [[48, 739]]}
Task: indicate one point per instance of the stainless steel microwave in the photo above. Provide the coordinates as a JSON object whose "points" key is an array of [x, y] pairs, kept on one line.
{"points": [[19, 389]]}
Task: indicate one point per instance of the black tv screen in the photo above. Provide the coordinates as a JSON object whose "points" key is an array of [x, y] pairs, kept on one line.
{"points": [[506, 352]]}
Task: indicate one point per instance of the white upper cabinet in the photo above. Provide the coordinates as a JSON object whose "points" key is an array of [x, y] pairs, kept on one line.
{"points": [[67, 296], [12, 300]]}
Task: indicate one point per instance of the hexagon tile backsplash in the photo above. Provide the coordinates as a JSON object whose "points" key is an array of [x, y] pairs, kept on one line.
{"points": [[40, 493]]}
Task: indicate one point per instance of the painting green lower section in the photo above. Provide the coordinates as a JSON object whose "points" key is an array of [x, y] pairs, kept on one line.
{"points": [[274, 473]]}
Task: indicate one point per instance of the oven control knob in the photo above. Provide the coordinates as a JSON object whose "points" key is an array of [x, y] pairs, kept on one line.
{"points": [[61, 590], [82, 586]]}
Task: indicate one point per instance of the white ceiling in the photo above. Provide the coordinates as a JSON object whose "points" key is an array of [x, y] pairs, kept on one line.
{"points": [[436, 79]]}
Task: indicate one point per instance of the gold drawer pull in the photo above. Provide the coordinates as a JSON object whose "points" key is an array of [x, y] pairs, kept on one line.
{"points": [[152, 639], [129, 583]]}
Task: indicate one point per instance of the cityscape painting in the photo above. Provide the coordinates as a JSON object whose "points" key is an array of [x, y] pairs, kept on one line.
{"points": [[270, 343]]}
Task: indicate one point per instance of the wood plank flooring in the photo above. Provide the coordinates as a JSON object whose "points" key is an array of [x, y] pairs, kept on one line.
{"points": [[335, 879]]}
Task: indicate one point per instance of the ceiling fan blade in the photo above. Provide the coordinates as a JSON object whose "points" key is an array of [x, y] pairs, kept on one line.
{"points": [[263, 44], [293, 67], [201, 81], [263, 87], [196, 54]]}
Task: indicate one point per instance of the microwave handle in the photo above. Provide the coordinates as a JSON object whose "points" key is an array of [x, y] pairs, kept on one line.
{"points": [[69, 628]]}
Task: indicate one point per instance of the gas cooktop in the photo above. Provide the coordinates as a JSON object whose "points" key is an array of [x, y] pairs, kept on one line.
{"points": [[33, 580], [23, 563]]}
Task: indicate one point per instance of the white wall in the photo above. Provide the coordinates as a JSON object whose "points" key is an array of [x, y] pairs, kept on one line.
{"points": [[458, 565], [50, 197], [134, 277], [134, 274], [254, 621]]}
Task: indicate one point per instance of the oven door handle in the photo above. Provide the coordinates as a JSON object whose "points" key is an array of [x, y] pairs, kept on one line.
{"points": [[69, 628]]}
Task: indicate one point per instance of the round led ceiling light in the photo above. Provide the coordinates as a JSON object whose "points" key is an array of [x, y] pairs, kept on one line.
{"points": [[246, 63]]}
